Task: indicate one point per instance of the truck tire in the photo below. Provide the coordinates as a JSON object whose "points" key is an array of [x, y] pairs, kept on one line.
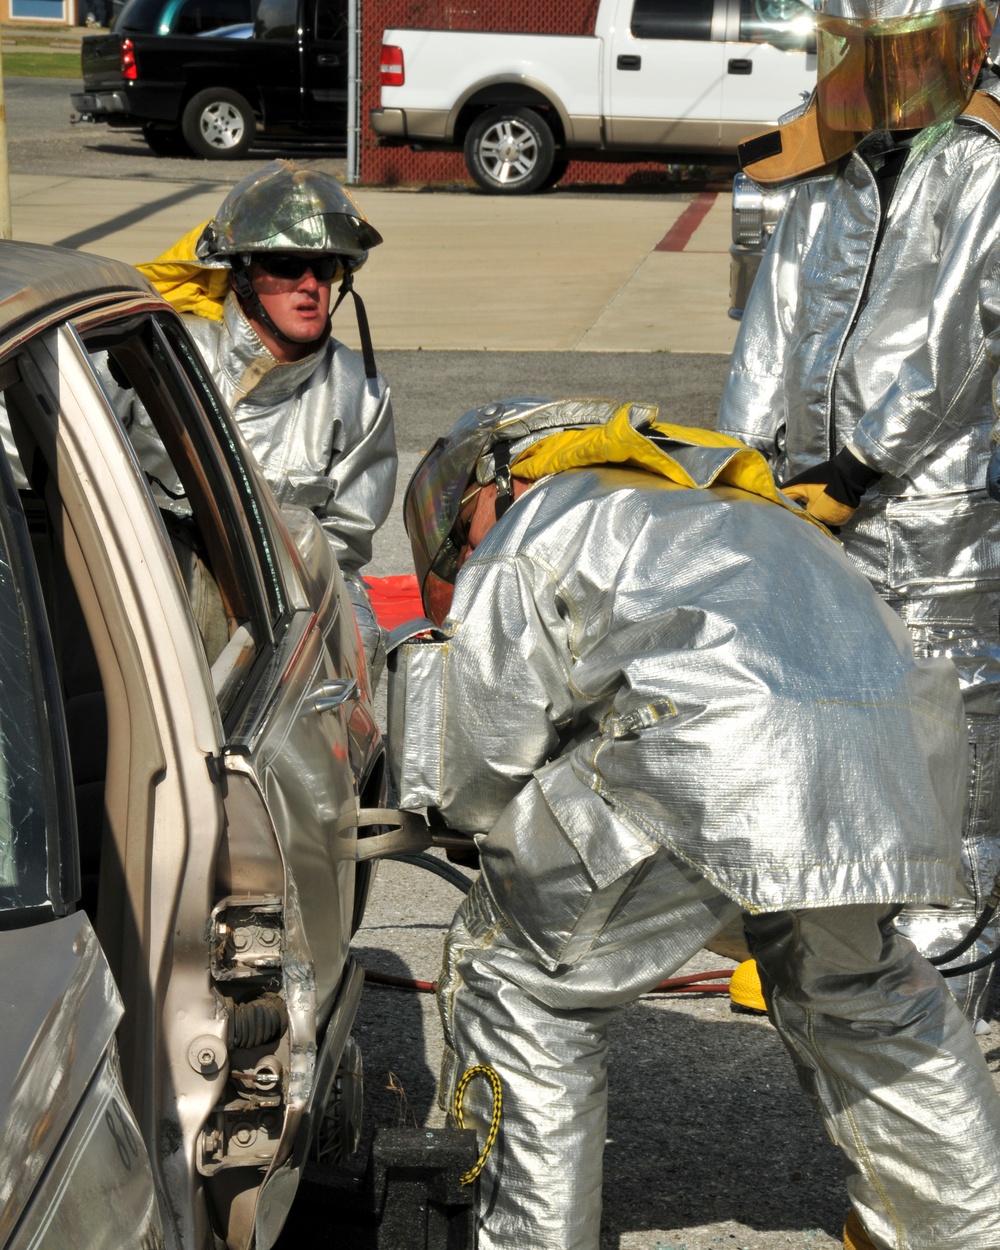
{"points": [[510, 151], [556, 173], [165, 142], [218, 124]]}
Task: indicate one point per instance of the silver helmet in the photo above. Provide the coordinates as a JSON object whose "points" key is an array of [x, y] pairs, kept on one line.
{"points": [[285, 208], [898, 64]]}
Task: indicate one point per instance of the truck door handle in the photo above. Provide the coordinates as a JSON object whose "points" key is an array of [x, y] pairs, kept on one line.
{"points": [[740, 65], [328, 58], [333, 694], [630, 62]]}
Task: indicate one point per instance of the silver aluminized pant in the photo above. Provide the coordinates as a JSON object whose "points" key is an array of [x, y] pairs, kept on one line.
{"points": [[879, 1044]]}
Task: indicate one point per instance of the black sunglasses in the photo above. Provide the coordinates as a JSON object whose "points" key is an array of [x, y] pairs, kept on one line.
{"points": [[293, 265]]}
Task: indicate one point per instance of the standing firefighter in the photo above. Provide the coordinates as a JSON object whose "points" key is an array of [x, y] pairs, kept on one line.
{"points": [[257, 280], [859, 370], [661, 697]]}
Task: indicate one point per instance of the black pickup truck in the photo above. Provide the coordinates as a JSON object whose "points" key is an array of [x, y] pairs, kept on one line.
{"points": [[207, 76]]}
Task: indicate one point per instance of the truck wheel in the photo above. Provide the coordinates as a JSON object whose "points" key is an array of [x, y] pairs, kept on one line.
{"points": [[556, 173], [510, 151], [165, 142], [218, 124]]}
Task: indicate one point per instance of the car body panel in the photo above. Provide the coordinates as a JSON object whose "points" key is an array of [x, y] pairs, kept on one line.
{"points": [[55, 1039], [224, 884]]}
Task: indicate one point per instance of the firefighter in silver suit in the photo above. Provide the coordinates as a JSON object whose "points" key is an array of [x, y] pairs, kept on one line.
{"points": [[256, 282], [660, 697], [859, 369]]}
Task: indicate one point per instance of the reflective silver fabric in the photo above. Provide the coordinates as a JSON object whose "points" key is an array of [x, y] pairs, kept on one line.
{"points": [[321, 431], [660, 706], [884, 1053], [883, 349], [616, 638], [883, 10]]}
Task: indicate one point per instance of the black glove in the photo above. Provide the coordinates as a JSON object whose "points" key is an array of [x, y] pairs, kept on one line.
{"points": [[831, 491]]}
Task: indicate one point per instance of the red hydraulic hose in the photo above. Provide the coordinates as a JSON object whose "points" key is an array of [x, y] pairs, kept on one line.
{"points": [[693, 982]]}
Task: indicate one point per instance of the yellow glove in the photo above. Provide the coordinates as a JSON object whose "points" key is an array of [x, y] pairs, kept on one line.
{"points": [[814, 498], [831, 491]]}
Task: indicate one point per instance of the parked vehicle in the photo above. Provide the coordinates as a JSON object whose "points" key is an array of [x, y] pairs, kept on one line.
{"points": [[655, 79], [187, 747], [187, 75], [756, 210]]}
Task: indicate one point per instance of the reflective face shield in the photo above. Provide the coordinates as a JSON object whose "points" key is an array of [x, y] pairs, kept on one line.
{"points": [[431, 506], [898, 72]]}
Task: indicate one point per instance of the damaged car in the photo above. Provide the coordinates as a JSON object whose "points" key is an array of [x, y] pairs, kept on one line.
{"points": [[187, 752]]}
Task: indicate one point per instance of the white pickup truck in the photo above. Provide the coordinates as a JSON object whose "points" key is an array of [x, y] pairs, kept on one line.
{"points": [[677, 79]]}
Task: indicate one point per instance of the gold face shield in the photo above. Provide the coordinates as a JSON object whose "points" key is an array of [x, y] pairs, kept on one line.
{"points": [[899, 73]]}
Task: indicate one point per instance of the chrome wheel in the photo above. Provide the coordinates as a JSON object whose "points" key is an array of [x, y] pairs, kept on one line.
{"points": [[510, 151]]}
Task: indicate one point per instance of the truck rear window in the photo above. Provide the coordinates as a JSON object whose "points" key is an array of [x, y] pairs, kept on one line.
{"points": [[182, 17]]}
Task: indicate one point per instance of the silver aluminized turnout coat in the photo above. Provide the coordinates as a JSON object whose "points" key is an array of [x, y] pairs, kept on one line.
{"points": [[848, 339], [659, 707], [320, 430], [651, 659]]}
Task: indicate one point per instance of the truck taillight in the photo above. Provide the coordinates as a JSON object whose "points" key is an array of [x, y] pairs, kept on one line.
{"points": [[129, 67], [391, 68]]}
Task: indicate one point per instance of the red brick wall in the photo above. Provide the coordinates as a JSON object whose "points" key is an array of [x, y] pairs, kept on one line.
{"points": [[394, 166]]}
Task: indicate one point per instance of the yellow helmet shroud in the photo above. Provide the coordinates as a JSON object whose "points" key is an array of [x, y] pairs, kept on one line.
{"points": [[185, 282]]}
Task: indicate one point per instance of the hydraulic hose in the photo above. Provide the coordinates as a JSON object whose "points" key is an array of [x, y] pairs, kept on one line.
{"points": [[985, 916], [439, 867], [693, 982]]}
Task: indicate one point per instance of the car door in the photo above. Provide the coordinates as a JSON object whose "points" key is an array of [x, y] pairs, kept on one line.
{"points": [[297, 750], [75, 1169], [325, 55], [238, 736], [770, 64], [664, 70]]}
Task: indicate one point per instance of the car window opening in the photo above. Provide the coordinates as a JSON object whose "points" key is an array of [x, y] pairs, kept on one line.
{"points": [[184, 483]]}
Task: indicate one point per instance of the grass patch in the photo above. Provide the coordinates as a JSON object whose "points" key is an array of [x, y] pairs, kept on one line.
{"points": [[38, 64]]}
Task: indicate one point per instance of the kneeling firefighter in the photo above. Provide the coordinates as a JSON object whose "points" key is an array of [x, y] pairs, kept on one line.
{"points": [[859, 369], [660, 697], [256, 282]]}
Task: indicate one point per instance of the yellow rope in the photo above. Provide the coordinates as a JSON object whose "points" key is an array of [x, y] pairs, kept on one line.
{"points": [[491, 1136]]}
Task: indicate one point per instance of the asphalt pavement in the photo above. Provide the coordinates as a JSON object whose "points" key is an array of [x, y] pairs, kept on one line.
{"points": [[710, 1143]]}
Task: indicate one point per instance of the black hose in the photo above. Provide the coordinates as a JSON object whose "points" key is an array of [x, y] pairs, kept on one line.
{"points": [[438, 866], [962, 969], [985, 916]]}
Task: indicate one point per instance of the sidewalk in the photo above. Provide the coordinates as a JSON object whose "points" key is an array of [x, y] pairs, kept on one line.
{"points": [[561, 272]]}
